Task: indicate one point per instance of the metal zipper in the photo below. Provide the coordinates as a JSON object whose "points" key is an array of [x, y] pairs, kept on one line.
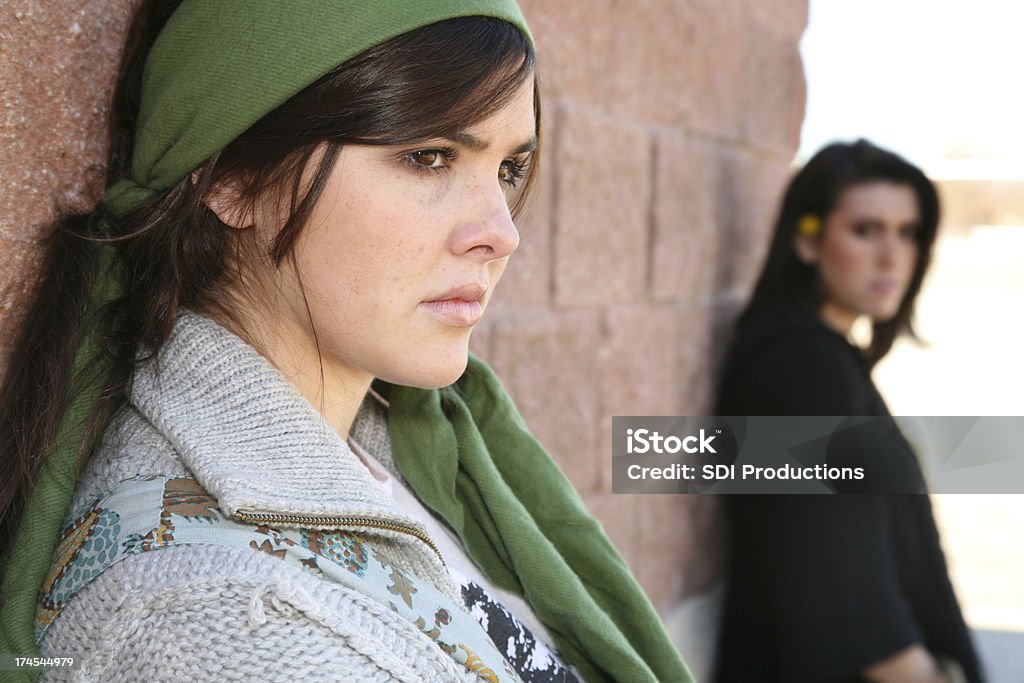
{"points": [[270, 518]]}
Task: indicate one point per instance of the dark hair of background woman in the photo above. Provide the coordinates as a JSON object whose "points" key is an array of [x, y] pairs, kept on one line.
{"points": [[174, 250], [786, 281]]}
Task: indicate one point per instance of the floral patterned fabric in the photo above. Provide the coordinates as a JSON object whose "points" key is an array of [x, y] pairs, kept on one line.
{"points": [[147, 514]]}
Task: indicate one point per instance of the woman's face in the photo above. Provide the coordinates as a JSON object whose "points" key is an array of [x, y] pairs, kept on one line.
{"points": [[400, 256], [867, 252]]}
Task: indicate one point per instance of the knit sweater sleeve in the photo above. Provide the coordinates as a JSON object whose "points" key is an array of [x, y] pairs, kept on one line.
{"points": [[205, 613]]}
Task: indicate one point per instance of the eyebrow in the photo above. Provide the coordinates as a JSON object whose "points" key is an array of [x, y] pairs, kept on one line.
{"points": [[477, 145]]}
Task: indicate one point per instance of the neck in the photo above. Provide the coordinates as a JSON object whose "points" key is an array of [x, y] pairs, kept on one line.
{"points": [[334, 389], [336, 393], [837, 318]]}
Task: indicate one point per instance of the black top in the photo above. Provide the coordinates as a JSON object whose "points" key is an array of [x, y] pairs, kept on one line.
{"points": [[821, 586]]}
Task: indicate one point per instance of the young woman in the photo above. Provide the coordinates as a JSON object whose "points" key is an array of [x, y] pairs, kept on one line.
{"points": [[844, 587], [306, 199]]}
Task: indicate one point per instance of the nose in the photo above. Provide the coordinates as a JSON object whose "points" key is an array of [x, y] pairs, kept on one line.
{"points": [[487, 231], [887, 253], [895, 251]]}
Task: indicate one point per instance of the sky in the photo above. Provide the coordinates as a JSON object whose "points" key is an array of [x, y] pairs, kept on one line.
{"points": [[930, 79]]}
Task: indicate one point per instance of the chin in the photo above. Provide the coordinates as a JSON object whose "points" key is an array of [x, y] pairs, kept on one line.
{"points": [[430, 372], [884, 315]]}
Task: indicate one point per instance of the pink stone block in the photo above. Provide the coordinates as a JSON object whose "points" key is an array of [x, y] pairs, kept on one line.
{"points": [[650, 78], [695, 359], [601, 225], [747, 75], [640, 370], [774, 94], [573, 44], [57, 62], [717, 59], [550, 365], [639, 367], [686, 235]]}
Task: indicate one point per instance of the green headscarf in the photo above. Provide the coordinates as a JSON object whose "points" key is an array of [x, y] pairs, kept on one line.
{"points": [[216, 69], [219, 67]]}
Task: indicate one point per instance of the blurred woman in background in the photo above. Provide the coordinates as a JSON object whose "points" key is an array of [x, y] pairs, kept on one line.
{"points": [[842, 587]]}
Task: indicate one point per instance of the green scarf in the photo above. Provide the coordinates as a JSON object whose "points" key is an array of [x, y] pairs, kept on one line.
{"points": [[219, 67], [470, 457], [210, 75]]}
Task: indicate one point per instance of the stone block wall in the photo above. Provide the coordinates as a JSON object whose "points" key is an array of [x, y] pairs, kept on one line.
{"points": [[669, 127]]}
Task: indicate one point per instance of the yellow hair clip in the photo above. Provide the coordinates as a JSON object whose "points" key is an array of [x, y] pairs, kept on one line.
{"points": [[809, 225]]}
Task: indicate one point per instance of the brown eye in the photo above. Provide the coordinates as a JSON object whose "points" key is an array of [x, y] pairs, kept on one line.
{"points": [[512, 171], [866, 228], [430, 158]]}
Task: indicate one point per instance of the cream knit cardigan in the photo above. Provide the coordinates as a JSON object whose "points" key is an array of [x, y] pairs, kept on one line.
{"points": [[214, 409]]}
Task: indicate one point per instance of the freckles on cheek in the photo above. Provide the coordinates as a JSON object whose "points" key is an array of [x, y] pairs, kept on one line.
{"points": [[438, 193]]}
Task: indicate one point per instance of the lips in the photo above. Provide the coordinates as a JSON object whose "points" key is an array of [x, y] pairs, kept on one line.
{"points": [[884, 286], [459, 306]]}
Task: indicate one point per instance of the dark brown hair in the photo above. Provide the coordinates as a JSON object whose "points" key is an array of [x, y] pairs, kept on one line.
{"points": [[787, 281], [173, 250]]}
